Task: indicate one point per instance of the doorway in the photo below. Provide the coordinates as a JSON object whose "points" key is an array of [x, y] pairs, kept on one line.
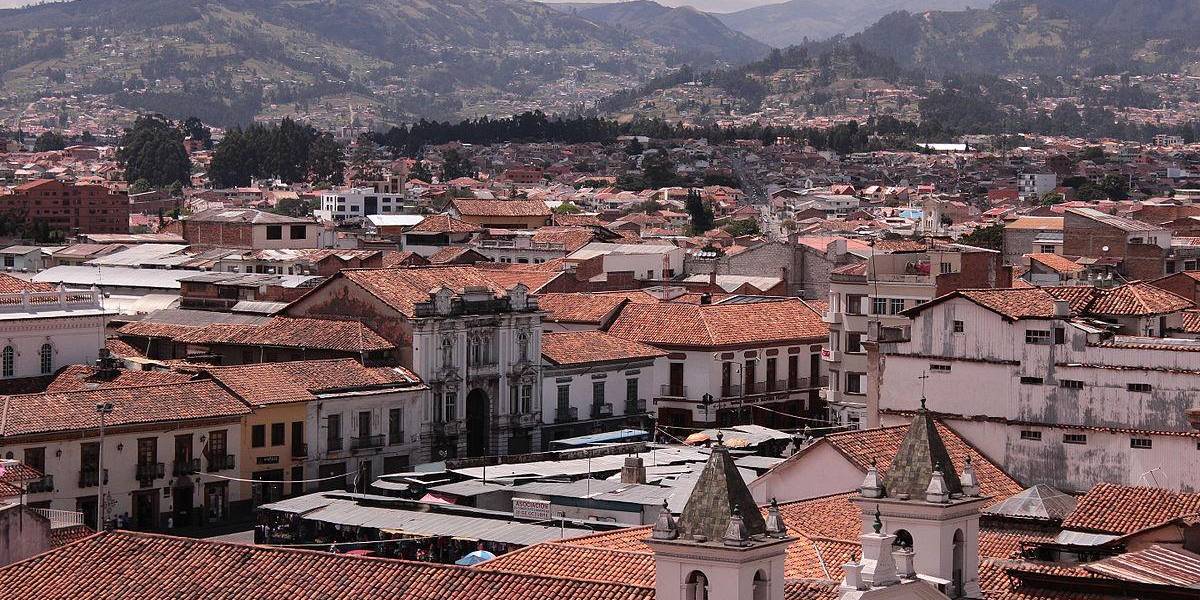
{"points": [[145, 510], [182, 496], [478, 413]]}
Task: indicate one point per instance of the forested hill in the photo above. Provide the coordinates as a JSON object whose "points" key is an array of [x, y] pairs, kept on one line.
{"points": [[1043, 36]]}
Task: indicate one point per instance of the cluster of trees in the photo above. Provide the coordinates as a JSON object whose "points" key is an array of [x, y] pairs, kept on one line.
{"points": [[526, 127], [152, 150], [290, 152]]}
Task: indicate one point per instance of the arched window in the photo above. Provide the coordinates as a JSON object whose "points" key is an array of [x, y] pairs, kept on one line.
{"points": [[695, 586], [523, 345], [762, 586], [903, 540], [46, 358], [7, 361]]}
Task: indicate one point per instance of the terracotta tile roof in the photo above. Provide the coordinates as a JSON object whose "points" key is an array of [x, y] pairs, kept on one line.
{"points": [[298, 381], [860, 447], [1122, 223], [403, 259], [16, 285], [579, 308], [810, 590], [1121, 509], [1137, 298], [632, 539], [571, 238], [501, 208], [1055, 262], [442, 224], [1005, 541], [582, 562], [65, 535], [291, 332], [18, 473], [1027, 222], [579, 347], [1191, 321], [142, 565], [816, 558], [576, 220], [402, 288], [1019, 303], [672, 324], [855, 268], [75, 378], [449, 254], [74, 411], [998, 584], [120, 348], [157, 330], [1078, 296]]}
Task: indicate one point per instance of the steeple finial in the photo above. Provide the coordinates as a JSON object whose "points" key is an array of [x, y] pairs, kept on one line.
{"points": [[664, 527], [878, 525], [720, 438], [776, 527], [735, 532]]}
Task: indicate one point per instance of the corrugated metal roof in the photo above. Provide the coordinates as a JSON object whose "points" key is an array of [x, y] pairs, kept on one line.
{"points": [[1156, 565]]}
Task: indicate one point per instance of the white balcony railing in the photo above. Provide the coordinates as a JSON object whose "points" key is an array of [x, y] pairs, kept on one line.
{"points": [[60, 518], [60, 299]]}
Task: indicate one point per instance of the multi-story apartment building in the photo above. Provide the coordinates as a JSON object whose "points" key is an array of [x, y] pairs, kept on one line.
{"points": [[1047, 382], [1033, 185], [746, 359], [1140, 250], [382, 198], [141, 445], [894, 278], [597, 382], [68, 207], [473, 336], [249, 228]]}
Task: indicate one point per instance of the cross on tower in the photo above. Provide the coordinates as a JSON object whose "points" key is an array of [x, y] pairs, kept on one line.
{"points": [[924, 375]]}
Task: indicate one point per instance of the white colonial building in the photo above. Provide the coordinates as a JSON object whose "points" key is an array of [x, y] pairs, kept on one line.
{"points": [[43, 328]]}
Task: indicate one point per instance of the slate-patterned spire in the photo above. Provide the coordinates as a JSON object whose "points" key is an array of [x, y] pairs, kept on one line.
{"points": [[920, 454], [719, 489]]}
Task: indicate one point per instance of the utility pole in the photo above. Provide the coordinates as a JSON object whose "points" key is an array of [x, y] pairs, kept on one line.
{"points": [[102, 408]]}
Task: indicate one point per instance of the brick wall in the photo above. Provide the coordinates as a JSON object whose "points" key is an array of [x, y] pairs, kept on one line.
{"points": [[226, 235], [1085, 237], [1180, 284]]}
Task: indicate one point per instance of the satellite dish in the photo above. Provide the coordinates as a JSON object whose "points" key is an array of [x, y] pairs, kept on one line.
{"points": [[1104, 248]]}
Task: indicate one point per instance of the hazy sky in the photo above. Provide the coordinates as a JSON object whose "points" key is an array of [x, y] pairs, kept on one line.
{"points": [[705, 5]]}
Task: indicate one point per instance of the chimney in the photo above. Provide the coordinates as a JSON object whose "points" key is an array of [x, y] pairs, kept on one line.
{"points": [[1062, 308], [634, 470]]}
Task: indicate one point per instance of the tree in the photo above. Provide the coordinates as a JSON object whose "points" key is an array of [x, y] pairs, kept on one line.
{"points": [[567, 208], [700, 211], [194, 129], [658, 171], [326, 160], [1051, 198], [1115, 187], [140, 186], [49, 141], [87, 138], [421, 171], [743, 227], [990, 237], [456, 165], [153, 150], [634, 147]]}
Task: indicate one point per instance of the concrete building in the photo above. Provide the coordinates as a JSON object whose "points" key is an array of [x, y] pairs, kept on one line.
{"points": [[1033, 185], [894, 278], [803, 263], [384, 198], [1056, 396], [45, 327], [1021, 237], [1141, 249], [598, 261], [501, 214]]}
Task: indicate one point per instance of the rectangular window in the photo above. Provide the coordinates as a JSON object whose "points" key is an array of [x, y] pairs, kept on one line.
{"points": [[879, 306], [299, 232], [1141, 443], [258, 436], [395, 429], [1038, 336], [526, 399], [1070, 384], [597, 392], [333, 433], [274, 232], [36, 458], [1060, 335], [1031, 380], [277, 434], [1139, 387], [946, 268], [564, 397], [451, 406], [1033, 436], [364, 424], [958, 327], [854, 305], [631, 391], [854, 383], [854, 342], [218, 446], [897, 306], [1074, 438], [939, 368]]}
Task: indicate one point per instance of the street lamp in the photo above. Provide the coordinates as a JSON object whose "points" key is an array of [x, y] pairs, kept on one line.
{"points": [[102, 408]]}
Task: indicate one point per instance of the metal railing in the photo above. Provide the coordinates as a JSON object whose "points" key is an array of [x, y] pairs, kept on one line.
{"points": [[566, 414], [60, 518], [635, 406], [600, 411], [368, 441], [671, 390], [147, 472], [335, 444], [185, 467], [41, 485], [299, 450], [91, 478], [395, 438], [220, 462]]}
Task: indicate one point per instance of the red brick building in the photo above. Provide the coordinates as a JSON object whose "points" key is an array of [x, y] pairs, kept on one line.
{"points": [[69, 207]]}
